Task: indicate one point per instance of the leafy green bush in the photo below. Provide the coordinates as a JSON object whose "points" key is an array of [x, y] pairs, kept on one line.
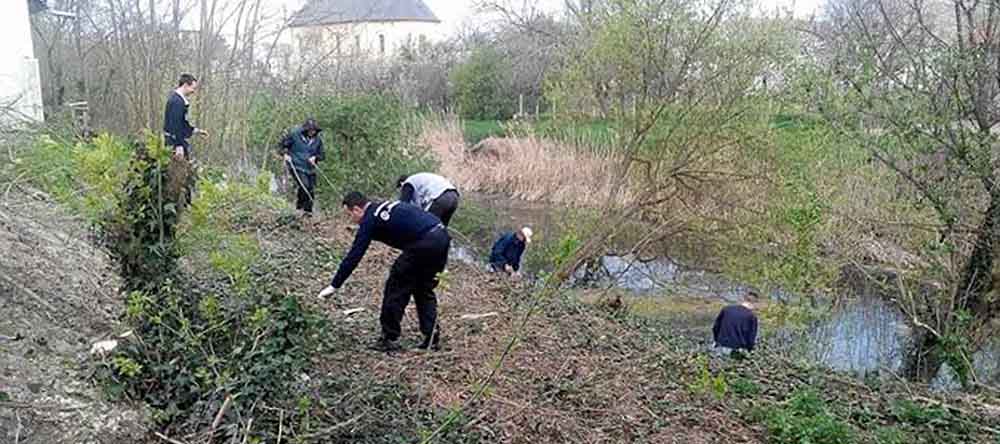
{"points": [[140, 231], [195, 346], [480, 86], [805, 419], [85, 176], [368, 141]]}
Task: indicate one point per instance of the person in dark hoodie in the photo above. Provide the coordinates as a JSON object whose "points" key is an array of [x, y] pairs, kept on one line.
{"points": [[176, 127], [302, 149], [735, 328]]}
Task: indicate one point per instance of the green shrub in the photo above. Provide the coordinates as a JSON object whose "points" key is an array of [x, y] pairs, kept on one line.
{"points": [[480, 86], [194, 348], [744, 387], [805, 419], [368, 141], [87, 177]]}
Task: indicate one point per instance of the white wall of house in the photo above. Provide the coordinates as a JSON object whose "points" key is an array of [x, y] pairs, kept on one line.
{"points": [[20, 84], [372, 40]]}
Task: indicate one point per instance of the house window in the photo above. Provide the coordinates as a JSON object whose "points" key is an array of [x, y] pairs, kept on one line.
{"points": [[381, 44], [423, 44]]}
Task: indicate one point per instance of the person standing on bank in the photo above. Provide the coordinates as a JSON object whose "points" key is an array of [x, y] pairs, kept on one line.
{"points": [[507, 252], [429, 191], [735, 328], [176, 127], [302, 150], [424, 241]]}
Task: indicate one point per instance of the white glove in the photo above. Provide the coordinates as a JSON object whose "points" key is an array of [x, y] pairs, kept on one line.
{"points": [[327, 292]]}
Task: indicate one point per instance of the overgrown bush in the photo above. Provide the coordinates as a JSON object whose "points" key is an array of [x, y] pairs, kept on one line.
{"points": [[368, 141], [211, 331], [480, 86], [194, 346], [86, 176]]}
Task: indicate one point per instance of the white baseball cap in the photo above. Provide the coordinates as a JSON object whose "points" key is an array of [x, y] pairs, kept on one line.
{"points": [[527, 233]]}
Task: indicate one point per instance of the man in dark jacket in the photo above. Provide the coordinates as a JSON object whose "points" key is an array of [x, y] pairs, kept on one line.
{"points": [[735, 328], [507, 251], [424, 241], [302, 149], [176, 127]]}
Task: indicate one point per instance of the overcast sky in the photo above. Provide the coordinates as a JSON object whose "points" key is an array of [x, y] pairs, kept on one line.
{"points": [[454, 13]]}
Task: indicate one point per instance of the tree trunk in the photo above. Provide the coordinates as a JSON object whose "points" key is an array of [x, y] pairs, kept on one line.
{"points": [[977, 280], [924, 360], [926, 356]]}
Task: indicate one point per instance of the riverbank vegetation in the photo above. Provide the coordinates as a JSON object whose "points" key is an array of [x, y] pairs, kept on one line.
{"points": [[804, 159]]}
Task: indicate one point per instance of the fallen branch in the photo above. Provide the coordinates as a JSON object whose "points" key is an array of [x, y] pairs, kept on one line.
{"points": [[219, 416]]}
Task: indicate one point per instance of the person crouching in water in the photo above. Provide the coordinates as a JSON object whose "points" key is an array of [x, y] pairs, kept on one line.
{"points": [[302, 149], [508, 251], [424, 241], [735, 329]]}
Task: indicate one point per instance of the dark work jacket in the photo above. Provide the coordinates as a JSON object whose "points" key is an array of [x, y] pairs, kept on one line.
{"points": [[395, 224], [301, 149], [507, 251], [175, 123], [735, 328]]}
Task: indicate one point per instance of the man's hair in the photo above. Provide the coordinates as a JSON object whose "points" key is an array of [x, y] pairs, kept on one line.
{"points": [[752, 295], [355, 199], [401, 180], [186, 79]]}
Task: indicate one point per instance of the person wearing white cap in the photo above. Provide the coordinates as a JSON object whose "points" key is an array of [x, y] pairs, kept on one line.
{"points": [[507, 251]]}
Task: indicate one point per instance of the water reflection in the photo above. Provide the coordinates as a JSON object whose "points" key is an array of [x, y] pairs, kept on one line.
{"points": [[865, 336]]}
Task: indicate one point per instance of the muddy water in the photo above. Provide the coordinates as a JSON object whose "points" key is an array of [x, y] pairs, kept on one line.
{"points": [[867, 336]]}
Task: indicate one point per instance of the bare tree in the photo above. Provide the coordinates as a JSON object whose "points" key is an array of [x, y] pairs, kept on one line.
{"points": [[919, 87]]}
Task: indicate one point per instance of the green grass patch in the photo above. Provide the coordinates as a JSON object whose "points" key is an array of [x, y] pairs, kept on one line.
{"points": [[476, 131], [805, 418]]}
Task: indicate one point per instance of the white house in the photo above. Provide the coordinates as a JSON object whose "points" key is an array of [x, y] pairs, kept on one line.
{"points": [[363, 29], [20, 84]]}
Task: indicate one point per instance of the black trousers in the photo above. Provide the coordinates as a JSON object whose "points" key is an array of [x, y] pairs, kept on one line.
{"points": [[305, 183], [415, 274], [444, 206]]}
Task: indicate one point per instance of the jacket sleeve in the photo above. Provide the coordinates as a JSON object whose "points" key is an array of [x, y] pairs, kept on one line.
{"points": [[286, 144], [753, 333], [320, 152], [361, 242], [406, 193], [717, 327], [172, 121], [517, 256]]}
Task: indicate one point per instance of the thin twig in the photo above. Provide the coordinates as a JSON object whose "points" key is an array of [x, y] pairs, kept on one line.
{"points": [[168, 439]]}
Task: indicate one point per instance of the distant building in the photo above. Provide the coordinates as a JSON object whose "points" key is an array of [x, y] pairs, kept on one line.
{"points": [[20, 83], [363, 29]]}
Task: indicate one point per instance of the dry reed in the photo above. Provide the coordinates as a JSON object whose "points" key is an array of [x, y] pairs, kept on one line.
{"points": [[525, 167]]}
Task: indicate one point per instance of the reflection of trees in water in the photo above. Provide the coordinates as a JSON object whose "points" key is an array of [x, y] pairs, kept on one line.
{"points": [[864, 337]]}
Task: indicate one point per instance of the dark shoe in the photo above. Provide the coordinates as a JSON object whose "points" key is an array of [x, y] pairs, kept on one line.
{"points": [[385, 345], [428, 344]]}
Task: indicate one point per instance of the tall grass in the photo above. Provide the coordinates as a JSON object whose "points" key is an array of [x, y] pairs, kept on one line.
{"points": [[526, 167]]}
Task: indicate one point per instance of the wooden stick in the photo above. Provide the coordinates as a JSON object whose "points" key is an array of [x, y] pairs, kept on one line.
{"points": [[281, 421], [218, 416]]}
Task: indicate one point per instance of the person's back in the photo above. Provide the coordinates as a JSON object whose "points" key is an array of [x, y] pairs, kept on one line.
{"points": [[426, 188], [736, 328]]}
